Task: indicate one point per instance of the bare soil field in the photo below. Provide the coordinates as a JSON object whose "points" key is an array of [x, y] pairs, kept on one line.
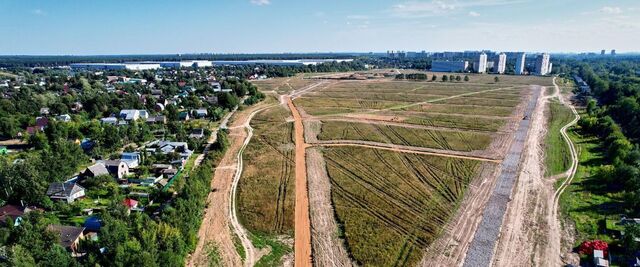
{"points": [[283, 85]]}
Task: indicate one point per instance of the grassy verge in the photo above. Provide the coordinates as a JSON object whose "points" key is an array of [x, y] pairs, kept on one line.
{"points": [[278, 250], [557, 154], [584, 202], [238, 245], [213, 255]]}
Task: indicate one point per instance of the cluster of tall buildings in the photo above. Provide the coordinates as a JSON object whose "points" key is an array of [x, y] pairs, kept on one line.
{"points": [[483, 63]]}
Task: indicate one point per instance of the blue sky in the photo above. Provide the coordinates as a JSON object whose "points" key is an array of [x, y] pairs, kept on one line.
{"points": [[255, 26]]}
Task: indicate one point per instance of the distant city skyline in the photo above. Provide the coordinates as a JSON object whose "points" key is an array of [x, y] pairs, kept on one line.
{"points": [[71, 27]]}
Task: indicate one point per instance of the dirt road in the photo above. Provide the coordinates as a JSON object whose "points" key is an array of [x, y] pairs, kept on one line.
{"points": [[302, 240], [328, 248], [531, 231], [481, 249], [215, 228]]}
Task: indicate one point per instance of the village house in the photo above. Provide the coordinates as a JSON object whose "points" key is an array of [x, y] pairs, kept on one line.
{"points": [[67, 191], [131, 158], [159, 119], [13, 213], [109, 120], [70, 236], [64, 118], [96, 170], [183, 116], [200, 113], [133, 114], [117, 168], [197, 133]]}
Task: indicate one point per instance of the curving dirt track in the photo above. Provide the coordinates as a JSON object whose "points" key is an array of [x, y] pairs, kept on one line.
{"points": [[216, 224], [251, 256]]}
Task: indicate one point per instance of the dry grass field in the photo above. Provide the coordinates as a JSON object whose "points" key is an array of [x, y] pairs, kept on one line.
{"points": [[393, 205], [265, 191], [283, 85], [448, 140]]}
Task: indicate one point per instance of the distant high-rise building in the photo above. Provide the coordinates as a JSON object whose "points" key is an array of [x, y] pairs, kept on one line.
{"points": [[613, 52], [500, 63], [542, 64], [480, 66], [449, 66], [603, 52], [520, 57], [550, 67]]}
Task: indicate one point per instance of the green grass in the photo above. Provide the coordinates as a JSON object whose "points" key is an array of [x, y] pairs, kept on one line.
{"points": [[448, 140], [584, 202], [278, 250], [238, 245], [213, 255], [391, 206], [557, 154], [457, 122]]}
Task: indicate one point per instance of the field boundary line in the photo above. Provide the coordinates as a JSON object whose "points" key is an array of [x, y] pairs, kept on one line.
{"points": [[403, 149]]}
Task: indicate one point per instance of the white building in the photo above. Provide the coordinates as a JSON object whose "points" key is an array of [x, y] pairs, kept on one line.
{"points": [[133, 114], [115, 66], [520, 59], [480, 66], [500, 63], [542, 64], [449, 66]]}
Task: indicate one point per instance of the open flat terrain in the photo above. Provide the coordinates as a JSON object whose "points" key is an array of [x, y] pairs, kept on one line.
{"points": [[388, 162]]}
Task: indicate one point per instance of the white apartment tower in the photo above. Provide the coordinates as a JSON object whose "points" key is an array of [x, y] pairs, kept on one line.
{"points": [[542, 64], [480, 66], [520, 63], [500, 63]]}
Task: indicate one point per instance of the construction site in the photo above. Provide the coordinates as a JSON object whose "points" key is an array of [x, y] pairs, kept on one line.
{"points": [[347, 172]]}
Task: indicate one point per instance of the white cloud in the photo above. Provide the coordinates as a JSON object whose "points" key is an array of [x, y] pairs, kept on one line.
{"points": [[261, 2], [474, 14], [418, 9], [611, 10]]}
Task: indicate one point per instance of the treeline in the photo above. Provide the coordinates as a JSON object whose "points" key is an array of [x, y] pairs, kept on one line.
{"points": [[124, 240], [613, 115]]}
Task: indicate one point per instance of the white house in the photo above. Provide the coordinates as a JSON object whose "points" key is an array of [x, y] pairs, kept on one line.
{"points": [[68, 192], [133, 114]]}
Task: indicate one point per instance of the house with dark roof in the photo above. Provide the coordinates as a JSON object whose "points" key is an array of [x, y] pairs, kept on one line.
{"points": [[13, 212], [68, 192], [69, 235], [95, 170]]}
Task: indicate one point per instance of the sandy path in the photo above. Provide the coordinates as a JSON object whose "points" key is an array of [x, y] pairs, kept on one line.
{"points": [[328, 248], [215, 228], [302, 240], [533, 232], [250, 251]]}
